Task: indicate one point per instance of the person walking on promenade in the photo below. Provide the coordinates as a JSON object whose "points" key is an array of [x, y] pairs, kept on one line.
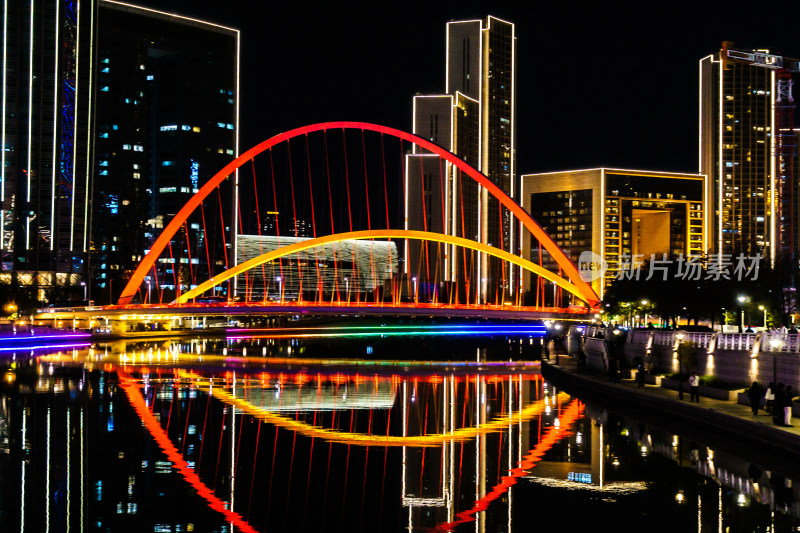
{"points": [[777, 406], [754, 394], [694, 387], [581, 361], [769, 397], [613, 370], [640, 372], [787, 405]]}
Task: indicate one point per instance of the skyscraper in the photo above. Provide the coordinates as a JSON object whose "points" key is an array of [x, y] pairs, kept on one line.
{"points": [[622, 216], [47, 88], [475, 119], [166, 121], [747, 149]]}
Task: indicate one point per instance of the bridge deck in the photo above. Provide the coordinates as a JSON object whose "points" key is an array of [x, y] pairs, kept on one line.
{"points": [[312, 309]]}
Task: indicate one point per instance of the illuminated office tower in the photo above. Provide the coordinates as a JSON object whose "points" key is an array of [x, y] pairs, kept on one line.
{"points": [[44, 162], [748, 150], [166, 122], [622, 216], [475, 119]]}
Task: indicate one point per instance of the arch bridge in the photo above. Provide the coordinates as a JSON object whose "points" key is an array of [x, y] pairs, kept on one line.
{"points": [[352, 248]]}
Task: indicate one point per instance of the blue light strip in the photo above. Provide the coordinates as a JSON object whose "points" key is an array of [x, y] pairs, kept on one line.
{"points": [[389, 331], [35, 338], [43, 347], [459, 327]]}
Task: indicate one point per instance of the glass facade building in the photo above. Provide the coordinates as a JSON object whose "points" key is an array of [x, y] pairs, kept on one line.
{"points": [[748, 151], [166, 122], [622, 216], [475, 119], [45, 102]]}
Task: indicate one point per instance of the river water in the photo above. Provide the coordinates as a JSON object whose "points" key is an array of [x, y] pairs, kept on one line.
{"points": [[314, 432]]}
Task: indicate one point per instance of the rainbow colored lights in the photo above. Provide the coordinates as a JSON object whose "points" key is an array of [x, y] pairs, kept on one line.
{"points": [[388, 331], [16, 343], [26, 347]]}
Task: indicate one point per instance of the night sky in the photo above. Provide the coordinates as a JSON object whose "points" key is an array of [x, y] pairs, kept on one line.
{"points": [[607, 85]]}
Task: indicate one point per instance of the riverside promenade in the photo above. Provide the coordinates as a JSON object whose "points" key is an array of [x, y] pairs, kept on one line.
{"points": [[717, 423]]}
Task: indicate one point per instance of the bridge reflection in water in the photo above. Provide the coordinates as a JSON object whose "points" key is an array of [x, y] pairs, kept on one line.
{"points": [[268, 444]]}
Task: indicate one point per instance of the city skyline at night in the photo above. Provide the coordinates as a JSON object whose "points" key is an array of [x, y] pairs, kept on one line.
{"points": [[440, 267], [594, 116], [622, 84]]}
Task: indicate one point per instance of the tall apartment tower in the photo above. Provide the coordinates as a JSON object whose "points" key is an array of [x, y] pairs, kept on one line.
{"points": [[47, 87], [166, 121], [475, 119], [748, 151]]}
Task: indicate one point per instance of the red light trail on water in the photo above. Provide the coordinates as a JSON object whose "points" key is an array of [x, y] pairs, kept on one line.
{"points": [[554, 434], [131, 389]]}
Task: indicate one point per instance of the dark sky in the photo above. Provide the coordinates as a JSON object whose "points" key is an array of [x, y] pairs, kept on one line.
{"points": [[606, 85]]}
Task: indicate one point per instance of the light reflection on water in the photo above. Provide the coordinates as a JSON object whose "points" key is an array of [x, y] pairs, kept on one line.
{"points": [[210, 435]]}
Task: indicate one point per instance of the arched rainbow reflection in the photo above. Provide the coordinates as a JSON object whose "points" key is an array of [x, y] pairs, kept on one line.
{"points": [[360, 439]]}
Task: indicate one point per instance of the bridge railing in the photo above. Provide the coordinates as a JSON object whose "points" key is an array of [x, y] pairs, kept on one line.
{"points": [[595, 344], [594, 331], [735, 341], [639, 336], [700, 338], [784, 342], [664, 338]]}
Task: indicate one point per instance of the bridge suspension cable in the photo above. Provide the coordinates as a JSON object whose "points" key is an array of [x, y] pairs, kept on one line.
{"points": [[335, 188]]}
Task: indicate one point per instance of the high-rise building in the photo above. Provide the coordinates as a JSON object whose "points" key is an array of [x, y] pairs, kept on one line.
{"points": [[623, 216], [747, 149], [47, 87], [166, 121], [475, 119]]}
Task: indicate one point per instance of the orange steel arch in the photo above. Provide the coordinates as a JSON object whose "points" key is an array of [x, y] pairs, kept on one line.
{"points": [[158, 433], [361, 439], [373, 234], [176, 223]]}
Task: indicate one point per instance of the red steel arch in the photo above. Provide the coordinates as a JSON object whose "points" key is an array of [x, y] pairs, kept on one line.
{"points": [[177, 222]]}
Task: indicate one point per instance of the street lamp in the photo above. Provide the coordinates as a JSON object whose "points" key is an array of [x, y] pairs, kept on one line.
{"points": [[83, 284], [680, 336], [347, 288], [416, 296], [644, 308], [742, 299], [557, 340], [775, 344], [280, 288], [762, 308]]}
